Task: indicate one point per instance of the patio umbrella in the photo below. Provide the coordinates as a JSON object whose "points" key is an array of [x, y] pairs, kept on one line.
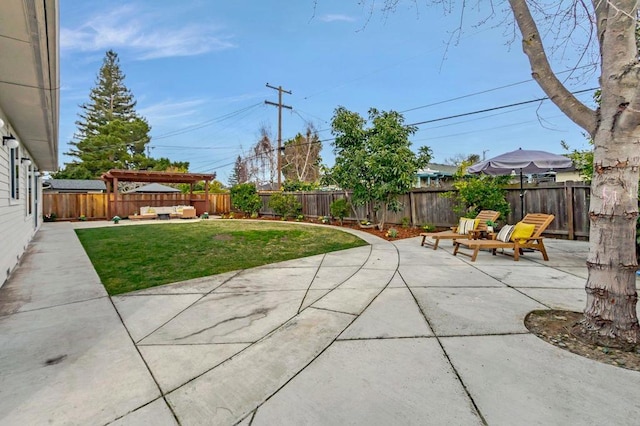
{"points": [[523, 160]]}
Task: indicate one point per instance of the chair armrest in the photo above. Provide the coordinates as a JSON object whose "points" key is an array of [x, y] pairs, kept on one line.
{"points": [[533, 239], [474, 234]]}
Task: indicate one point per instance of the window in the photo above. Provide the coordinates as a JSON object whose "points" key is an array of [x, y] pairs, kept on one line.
{"points": [[15, 173], [30, 178]]}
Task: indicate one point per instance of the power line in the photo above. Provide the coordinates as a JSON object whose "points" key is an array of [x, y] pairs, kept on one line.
{"points": [[206, 123], [487, 91], [492, 109]]}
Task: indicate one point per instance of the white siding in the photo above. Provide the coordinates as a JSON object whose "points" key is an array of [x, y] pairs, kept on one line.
{"points": [[17, 227]]}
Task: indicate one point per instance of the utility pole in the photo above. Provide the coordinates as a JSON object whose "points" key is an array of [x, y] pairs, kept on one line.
{"points": [[280, 106]]}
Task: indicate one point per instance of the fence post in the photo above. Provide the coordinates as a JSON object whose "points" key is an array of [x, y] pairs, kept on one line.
{"points": [[412, 206], [568, 198]]}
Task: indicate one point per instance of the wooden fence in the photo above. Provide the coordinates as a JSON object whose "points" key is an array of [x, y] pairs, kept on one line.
{"points": [[94, 206], [568, 201]]}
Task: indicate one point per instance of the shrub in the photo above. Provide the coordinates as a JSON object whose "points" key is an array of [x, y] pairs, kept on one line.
{"points": [[285, 205], [340, 209], [245, 198], [406, 221], [427, 227], [296, 185], [392, 233], [476, 193]]}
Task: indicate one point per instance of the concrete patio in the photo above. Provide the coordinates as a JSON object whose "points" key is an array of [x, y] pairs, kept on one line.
{"points": [[390, 333]]}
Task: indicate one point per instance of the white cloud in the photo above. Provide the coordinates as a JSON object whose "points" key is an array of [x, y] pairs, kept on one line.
{"points": [[126, 27], [169, 112], [336, 17]]}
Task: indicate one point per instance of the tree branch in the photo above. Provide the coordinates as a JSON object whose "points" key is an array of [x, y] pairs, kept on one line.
{"points": [[541, 71]]}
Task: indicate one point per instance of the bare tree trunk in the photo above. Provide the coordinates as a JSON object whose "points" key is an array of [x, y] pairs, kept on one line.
{"points": [[610, 315], [611, 287]]}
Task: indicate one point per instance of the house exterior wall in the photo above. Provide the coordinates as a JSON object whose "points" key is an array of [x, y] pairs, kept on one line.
{"points": [[19, 218], [567, 176]]}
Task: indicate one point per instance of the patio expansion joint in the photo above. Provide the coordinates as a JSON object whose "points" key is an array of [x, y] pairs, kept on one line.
{"points": [[357, 339], [238, 291], [516, 289], [300, 309], [138, 408], [91, 299], [194, 344], [508, 333], [155, 380], [183, 310], [446, 355], [331, 310]]}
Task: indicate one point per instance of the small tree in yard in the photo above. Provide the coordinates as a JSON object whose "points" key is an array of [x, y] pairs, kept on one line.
{"points": [[245, 198], [285, 205], [340, 209], [476, 193], [376, 163]]}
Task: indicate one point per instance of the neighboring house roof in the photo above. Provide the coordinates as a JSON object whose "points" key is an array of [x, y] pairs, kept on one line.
{"points": [[437, 170], [74, 185], [268, 187], [153, 188]]}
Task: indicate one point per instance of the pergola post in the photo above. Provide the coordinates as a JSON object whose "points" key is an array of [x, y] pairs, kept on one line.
{"points": [[115, 196], [206, 195], [108, 185]]}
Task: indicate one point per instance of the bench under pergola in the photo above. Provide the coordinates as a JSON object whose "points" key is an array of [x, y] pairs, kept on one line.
{"points": [[113, 176]]}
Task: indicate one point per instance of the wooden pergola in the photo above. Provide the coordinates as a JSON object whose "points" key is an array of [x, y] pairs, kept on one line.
{"points": [[113, 176]]}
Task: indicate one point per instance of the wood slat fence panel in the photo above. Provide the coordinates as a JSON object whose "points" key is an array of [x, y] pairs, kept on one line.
{"points": [[94, 206], [568, 201]]}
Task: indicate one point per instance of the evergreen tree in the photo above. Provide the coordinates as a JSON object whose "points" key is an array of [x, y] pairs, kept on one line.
{"points": [[110, 134], [239, 172]]}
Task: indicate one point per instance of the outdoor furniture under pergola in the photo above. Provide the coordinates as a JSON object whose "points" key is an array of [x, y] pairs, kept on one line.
{"points": [[112, 177]]}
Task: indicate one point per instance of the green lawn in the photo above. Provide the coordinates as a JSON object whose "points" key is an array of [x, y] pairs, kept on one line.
{"points": [[131, 258]]}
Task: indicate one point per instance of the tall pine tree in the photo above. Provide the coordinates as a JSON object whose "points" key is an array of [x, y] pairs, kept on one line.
{"points": [[109, 100], [110, 134]]}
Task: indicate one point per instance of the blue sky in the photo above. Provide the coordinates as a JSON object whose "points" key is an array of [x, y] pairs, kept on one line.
{"points": [[198, 70]]}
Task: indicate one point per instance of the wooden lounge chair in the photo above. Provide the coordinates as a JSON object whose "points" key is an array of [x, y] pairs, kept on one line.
{"points": [[452, 234], [540, 221]]}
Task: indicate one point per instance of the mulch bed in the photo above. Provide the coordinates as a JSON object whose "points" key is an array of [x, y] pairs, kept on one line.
{"points": [[401, 232]]}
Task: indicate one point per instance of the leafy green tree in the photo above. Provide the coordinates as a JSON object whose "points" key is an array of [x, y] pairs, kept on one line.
{"points": [[376, 163], [245, 198]]}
